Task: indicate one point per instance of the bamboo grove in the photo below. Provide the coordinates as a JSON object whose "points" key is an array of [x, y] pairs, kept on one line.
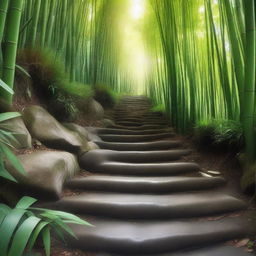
{"points": [[196, 57]]}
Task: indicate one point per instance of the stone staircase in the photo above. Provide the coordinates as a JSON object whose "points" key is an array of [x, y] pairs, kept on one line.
{"points": [[143, 199]]}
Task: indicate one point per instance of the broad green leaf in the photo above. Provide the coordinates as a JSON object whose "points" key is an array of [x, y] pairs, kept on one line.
{"points": [[8, 115], [36, 233], [22, 236], [4, 210], [6, 87], [46, 240], [65, 215], [5, 174], [25, 202], [14, 161], [8, 226]]}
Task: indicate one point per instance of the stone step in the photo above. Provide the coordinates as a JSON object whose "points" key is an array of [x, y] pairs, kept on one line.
{"points": [[105, 131], [103, 155], [135, 169], [142, 127], [153, 237], [140, 119], [158, 207], [144, 184], [217, 250], [139, 146], [135, 138], [130, 123]]}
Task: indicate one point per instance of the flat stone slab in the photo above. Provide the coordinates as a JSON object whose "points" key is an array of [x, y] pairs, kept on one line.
{"points": [[139, 146], [100, 155], [142, 127], [140, 123], [144, 184], [135, 169], [105, 131], [220, 250], [134, 138], [140, 206], [152, 237]]}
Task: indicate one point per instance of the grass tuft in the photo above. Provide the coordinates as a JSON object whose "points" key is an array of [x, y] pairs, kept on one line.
{"points": [[219, 134]]}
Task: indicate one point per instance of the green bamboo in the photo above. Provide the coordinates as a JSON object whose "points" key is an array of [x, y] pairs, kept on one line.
{"points": [[10, 45], [249, 83]]}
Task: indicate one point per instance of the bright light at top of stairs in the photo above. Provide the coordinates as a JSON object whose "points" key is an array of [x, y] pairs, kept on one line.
{"points": [[137, 8]]}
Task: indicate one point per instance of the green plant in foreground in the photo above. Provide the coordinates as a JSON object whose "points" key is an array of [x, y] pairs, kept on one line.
{"points": [[5, 152], [23, 224]]}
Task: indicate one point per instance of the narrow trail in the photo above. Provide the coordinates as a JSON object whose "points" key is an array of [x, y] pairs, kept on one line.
{"points": [[144, 199]]}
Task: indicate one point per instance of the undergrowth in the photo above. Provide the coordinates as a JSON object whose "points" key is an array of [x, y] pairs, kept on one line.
{"points": [[219, 134], [105, 96], [62, 98]]}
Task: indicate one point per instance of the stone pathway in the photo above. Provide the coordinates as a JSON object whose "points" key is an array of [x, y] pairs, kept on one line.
{"points": [[143, 199]]}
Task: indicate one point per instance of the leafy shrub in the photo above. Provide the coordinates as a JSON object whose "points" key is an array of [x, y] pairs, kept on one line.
{"points": [[77, 90], [45, 70], [158, 108], [225, 134], [5, 152], [105, 96], [23, 224], [63, 98]]}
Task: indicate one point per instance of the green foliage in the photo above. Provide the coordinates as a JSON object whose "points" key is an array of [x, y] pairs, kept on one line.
{"points": [[158, 108], [77, 90], [5, 152], [45, 70], [64, 99], [219, 134], [23, 225], [105, 96]]}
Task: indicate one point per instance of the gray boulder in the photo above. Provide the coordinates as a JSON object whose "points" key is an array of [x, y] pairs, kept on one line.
{"points": [[20, 132], [45, 128], [93, 145], [107, 122], [46, 171], [96, 110], [77, 128]]}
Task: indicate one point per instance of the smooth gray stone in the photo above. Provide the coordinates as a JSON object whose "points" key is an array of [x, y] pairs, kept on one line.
{"points": [[159, 207], [135, 169], [95, 109], [135, 138], [79, 129], [140, 123], [220, 250], [142, 127], [19, 131], [45, 128], [152, 237], [139, 146], [144, 184], [126, 132], [140, 119], [46, 171], [100, 155]]}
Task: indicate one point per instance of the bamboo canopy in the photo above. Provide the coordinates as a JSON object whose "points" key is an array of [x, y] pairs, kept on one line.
{"points": [[194, 57]]}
